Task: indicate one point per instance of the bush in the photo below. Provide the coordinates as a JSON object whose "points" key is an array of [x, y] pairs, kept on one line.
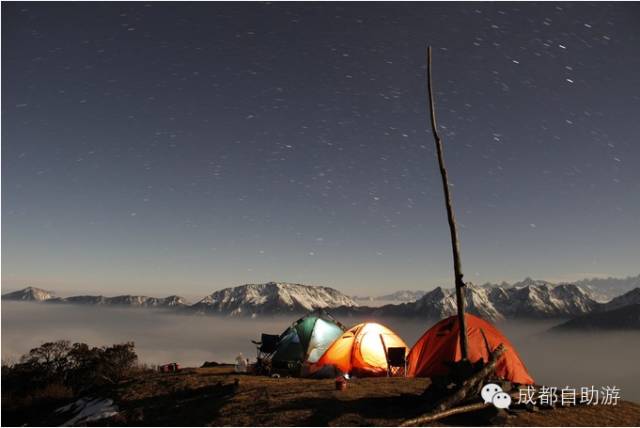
{"points": [[61, 365], [97, 366]]}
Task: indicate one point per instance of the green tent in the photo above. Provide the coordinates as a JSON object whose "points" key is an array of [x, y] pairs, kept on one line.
{"points": [[305, 341]]}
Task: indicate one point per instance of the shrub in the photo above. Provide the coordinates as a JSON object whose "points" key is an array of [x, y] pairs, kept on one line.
{"points": [[54, 365]]}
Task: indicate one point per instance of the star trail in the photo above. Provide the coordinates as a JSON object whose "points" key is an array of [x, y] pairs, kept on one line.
{"points": [[164, 147]]}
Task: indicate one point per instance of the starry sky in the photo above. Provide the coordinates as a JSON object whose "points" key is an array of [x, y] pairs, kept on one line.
{"points": [[161, 148]]}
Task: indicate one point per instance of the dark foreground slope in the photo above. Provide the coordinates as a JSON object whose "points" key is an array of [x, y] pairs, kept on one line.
{"points": [[624, 318], [197, 397]]}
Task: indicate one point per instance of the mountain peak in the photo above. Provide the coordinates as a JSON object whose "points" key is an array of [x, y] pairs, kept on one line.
{"points": [[272, 298], [29, 294]]}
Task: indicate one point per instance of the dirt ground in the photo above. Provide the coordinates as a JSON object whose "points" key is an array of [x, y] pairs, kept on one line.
{"points": [[211, 396]]}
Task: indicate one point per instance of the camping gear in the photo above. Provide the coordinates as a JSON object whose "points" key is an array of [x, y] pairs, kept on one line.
{"points": [[397, 361], [267, 345], [362, 350], [341, 383], [305, 341], [325, 372], [241, 364], [169, 368], [439, 348], [265, 348]]}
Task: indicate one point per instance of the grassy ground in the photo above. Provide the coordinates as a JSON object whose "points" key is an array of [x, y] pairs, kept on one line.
{"points": [[196, 397]]}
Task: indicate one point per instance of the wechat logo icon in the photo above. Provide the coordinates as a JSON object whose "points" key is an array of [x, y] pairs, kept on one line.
{"points": [[492, 393]]}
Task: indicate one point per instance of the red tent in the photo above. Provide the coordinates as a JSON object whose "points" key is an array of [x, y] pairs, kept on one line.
{"points": [[441, 344]]}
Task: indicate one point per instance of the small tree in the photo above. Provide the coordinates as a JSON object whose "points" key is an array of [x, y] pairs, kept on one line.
{"points": [[77, 366], [118, 360], [96, 366], [51, 355]]}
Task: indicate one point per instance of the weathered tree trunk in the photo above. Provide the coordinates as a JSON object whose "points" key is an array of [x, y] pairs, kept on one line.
{"points": [[450, 217]]}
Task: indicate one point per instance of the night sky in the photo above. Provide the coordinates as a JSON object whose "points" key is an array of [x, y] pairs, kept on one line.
{"points": [[162, 148]]}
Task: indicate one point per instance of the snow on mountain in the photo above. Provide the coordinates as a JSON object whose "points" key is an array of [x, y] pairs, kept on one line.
{"points": [[478, 302], [435, 304], [81, 300], [599, 289], [173, 301], [29, 294], [440, 303], [530, 282], [605, 289], [36, 294], [539, 299], [526, 299], [398, 296], [621, 313], [145, 302], [271, 298]]}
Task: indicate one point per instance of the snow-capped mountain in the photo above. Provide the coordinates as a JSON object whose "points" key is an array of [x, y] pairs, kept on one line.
{"points": [[29, 294], [440, 303], [526, 299], [605, 289], [174, 302], [39, 295], [398, 296], [621, 313], [538, 299], [478, 302], [601, 290], [434, 304], [124, 300], [270, 299]]}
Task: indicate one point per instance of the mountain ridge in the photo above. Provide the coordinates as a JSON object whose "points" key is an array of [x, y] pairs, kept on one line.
{"points": [[621, 318], [600, 289], [528, 299]]}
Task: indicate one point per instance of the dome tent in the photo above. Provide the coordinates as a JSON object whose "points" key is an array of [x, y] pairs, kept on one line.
{"points": [[305, 341], [361, 350], [440, 345]]}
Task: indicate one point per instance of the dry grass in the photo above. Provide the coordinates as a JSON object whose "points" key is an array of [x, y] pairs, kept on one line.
{"points": [[196, 397], [20, 408]]}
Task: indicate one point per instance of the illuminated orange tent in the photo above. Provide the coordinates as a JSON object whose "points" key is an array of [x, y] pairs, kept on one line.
{"points": [[361, 350], [440, 345]]}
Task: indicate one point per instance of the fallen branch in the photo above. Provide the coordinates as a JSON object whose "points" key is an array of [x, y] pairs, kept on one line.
{"points": [[108, 379], [445, 407], [472, 382], [431, 417]]}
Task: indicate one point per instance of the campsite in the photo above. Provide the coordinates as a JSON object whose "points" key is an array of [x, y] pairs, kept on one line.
{"points": [[205, 202], [285, 392], [197, 397]]}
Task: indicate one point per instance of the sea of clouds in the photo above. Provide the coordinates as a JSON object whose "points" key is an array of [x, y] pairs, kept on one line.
{"points": [[575, 359]]}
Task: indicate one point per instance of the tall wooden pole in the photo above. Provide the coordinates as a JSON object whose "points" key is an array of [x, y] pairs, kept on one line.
{"points": [[450, 217]]}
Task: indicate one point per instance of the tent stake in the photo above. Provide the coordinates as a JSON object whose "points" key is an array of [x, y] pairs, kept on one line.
{"points": [[450, 217]]}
